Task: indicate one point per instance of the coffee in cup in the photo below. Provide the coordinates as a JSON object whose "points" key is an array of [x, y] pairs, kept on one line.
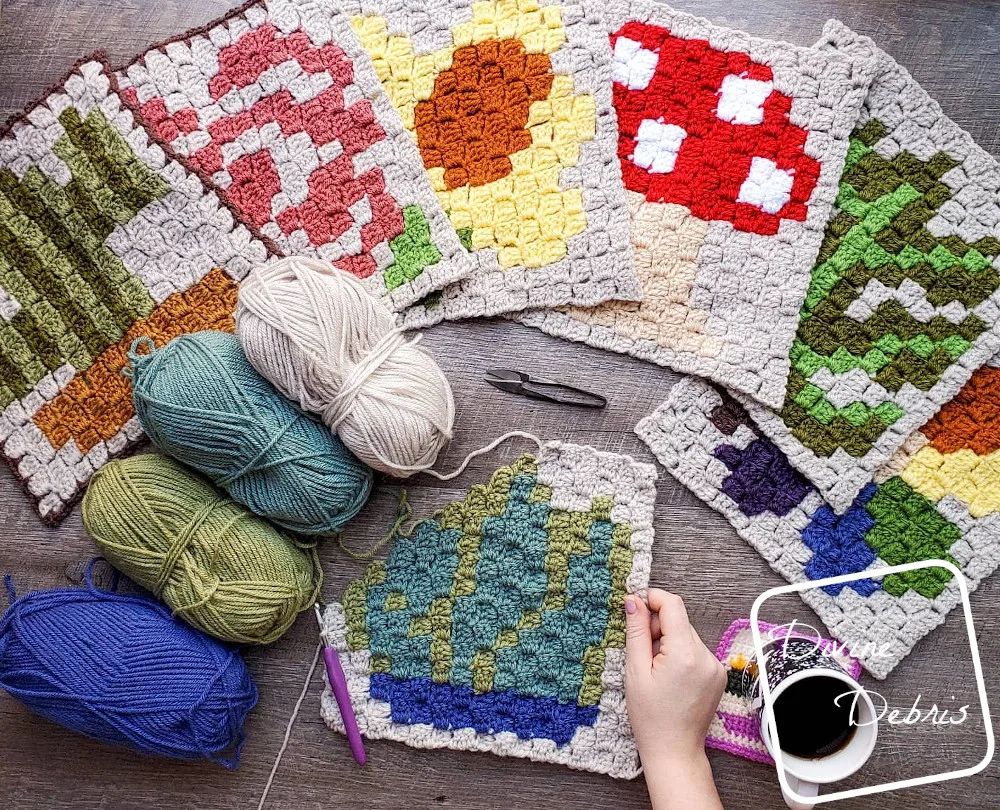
{"points": [[826, 722]]}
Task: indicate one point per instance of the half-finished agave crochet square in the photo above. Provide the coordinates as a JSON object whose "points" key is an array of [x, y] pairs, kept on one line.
{"points": [[904, 303], [509, 102], [731, 148], [736, 725], [498, 625], [103, 237], [278, 104], [938, 498]]}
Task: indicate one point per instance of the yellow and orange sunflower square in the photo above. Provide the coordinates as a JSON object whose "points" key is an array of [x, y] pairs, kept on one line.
{"points": [[509, 102]]}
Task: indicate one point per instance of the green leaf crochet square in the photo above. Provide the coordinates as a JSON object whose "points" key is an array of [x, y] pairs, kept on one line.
{"points": [[74, 296], [849, 323]]}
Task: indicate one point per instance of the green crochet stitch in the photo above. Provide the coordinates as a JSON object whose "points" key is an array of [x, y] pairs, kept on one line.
{"points": [[880, 236], [75, 296], [413, 249]]}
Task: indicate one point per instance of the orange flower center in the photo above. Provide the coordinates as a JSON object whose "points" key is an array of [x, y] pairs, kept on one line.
{"points": [[476, 117]]}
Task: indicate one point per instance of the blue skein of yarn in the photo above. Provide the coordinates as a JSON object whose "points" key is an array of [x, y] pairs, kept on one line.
{"points": [[200, 400], [122, 670]]}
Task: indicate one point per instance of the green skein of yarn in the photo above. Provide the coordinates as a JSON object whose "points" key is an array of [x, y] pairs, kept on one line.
{"points": [[200, 401], [219, 567]]}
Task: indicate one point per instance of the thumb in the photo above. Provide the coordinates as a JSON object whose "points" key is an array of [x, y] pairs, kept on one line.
{"points": [[638, 635]]}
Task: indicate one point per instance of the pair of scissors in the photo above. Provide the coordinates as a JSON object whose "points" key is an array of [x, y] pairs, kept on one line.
{"points": [[517, 382]]}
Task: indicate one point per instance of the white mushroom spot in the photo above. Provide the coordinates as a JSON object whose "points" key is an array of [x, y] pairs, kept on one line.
{"points": [[767, 187], [741, 101], [657, 145], [634, 66]]}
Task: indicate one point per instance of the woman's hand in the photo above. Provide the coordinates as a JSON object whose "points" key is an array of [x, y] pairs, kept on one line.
{"points": [[672, 688]]}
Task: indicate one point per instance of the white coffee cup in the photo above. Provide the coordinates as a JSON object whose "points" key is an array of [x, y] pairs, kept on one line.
{"points": [[806, 775]]}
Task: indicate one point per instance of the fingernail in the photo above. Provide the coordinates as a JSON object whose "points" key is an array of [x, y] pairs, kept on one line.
{"points": [[629, 605]]}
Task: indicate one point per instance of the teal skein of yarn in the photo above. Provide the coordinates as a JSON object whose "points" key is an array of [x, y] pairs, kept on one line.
{"points": [[200, 401]]}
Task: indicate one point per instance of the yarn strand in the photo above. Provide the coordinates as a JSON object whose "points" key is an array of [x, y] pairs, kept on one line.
{"points": [[514, 434], [403, 513], [290, 726]]}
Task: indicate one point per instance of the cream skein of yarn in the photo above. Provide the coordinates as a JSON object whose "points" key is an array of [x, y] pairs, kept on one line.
{"points": [[325, 342]]}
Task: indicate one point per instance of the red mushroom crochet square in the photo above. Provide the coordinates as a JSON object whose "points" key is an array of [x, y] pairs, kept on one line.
{"points": [[730, 148]]}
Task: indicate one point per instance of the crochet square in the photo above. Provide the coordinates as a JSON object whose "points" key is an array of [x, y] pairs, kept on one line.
{"points": [[509, 103], [498, 625], [730, 149], [104, 237], [736, 726], [937, 498], [278, 104], [904, 302]]}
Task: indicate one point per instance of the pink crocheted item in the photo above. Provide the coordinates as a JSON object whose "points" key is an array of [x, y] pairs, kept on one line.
{"points": [[736, 728], [279, 106]]}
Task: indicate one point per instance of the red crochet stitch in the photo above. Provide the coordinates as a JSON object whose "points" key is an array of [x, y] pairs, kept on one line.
{"points": [[715, 157], [274, 120]]}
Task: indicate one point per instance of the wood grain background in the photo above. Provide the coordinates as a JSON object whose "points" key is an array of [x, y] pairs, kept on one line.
{"points": [[951, 47]]}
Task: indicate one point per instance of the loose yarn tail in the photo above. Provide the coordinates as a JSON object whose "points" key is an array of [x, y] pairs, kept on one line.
{"points": [[514, 434], [289, 727], [403, 513]]}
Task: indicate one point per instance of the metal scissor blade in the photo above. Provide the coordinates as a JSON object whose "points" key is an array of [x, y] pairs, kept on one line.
{"points": [[510, 381]]}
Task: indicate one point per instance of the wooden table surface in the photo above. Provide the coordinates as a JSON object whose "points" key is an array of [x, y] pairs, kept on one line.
{"points": [[953, 49]]}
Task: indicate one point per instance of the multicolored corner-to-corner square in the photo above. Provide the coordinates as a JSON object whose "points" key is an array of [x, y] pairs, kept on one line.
{"points": [[937, 498], [904, 300], [498, 624], [103, 237]]}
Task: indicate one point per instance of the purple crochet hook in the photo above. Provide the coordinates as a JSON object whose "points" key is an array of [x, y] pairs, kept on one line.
{"points": [[338, 683]]}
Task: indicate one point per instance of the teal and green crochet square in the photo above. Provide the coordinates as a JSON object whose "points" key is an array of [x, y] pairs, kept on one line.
{"points": [[498, 624]]}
